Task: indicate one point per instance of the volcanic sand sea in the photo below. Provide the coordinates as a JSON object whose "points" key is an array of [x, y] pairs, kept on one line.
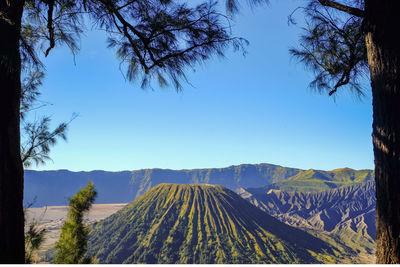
{"points": [[51, 218]]}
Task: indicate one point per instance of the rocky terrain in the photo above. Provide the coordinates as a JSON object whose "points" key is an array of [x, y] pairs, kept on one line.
{"points": [[343, 216]]}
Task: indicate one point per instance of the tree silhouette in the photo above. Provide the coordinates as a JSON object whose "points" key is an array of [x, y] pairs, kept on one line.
{"points": [[37, 138]]}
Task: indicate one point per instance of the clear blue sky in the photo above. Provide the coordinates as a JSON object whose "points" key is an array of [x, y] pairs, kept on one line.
{"points": [[251, 109]]}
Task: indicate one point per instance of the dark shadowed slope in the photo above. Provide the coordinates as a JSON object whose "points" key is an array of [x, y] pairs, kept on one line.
{"points": [[200, 224], [344, 216]]}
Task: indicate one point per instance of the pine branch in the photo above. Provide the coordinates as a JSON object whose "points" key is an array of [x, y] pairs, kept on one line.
{"points": [[349, 10], [50, 26]]}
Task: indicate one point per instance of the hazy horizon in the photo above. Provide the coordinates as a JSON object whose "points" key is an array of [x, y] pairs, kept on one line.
{"points": [[195, 168]]}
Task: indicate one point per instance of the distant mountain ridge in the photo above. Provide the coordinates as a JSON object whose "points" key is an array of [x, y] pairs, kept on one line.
{"points": [[55, 187], [344, 217], [317, 180], [174, 223], [232, 177]]}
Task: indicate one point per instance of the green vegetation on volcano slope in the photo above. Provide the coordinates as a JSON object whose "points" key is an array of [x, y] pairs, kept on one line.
{"points": [[317, 180], [200, 224]]}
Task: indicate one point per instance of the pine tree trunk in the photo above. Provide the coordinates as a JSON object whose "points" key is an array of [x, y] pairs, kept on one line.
{"points": [[383, 46], [11, 171]]}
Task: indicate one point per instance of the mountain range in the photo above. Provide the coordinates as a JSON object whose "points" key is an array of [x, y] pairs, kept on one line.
{"points": [[344, 217], [174, 223], [44, 188]]}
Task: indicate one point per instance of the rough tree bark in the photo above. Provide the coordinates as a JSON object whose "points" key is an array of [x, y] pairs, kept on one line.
{"points": [[383, 47], [11, 171]]}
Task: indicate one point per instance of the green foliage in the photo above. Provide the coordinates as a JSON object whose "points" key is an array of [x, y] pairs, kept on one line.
{"points": [[317, 180], [232, 6], [71, 247], [34, 238], [333, 47], [37, 138], [47, 24], [198, 224], [30, 90]]}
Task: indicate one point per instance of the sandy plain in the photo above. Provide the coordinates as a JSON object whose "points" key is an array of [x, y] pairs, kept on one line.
{"points": [[52, 218]]}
